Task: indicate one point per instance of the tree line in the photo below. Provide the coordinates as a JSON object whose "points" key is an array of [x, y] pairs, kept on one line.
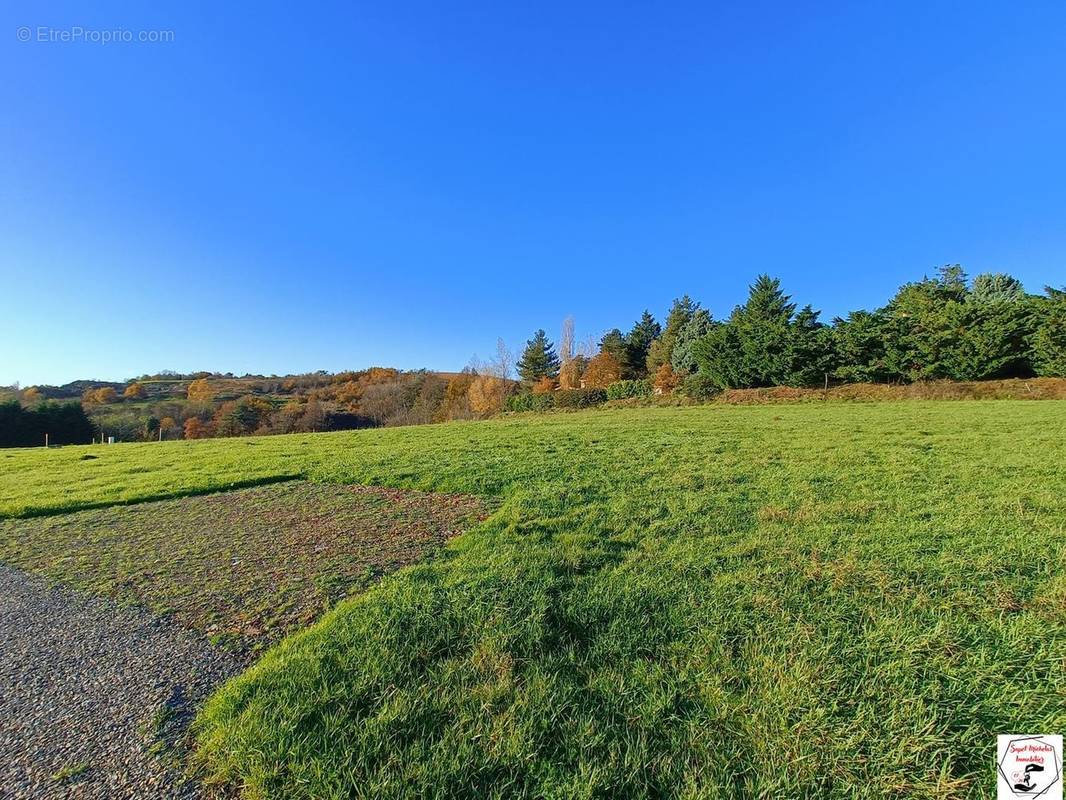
{"points": [[63, 423], [944, 327]]}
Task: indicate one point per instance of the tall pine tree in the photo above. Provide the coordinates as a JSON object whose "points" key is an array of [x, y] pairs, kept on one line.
{"points": [[539, 359], [763, 326], [638, 342]]}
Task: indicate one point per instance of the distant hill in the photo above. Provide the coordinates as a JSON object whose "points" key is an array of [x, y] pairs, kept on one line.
{"points": [[206, 404]]}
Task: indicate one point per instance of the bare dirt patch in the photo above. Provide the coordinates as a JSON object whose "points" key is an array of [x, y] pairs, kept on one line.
{"points": [[244, 567]]}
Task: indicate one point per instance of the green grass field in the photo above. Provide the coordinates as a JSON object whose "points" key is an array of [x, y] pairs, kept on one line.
{"points": [[831, 600]]}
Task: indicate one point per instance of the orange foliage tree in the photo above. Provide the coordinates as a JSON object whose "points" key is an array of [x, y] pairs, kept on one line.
{"points": [[195, 429], [666, 380], [545, 385], [348, 393], [381, 375], [602, 371]]}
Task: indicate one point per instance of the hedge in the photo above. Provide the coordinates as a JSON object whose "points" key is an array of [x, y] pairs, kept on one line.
{"points": [[623, 390]]}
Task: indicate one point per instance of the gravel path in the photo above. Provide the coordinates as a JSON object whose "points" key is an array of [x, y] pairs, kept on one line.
{"points": [[95, 697]]}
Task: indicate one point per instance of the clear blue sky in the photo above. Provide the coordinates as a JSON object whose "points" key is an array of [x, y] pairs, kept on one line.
{"points": [[282, 189]]}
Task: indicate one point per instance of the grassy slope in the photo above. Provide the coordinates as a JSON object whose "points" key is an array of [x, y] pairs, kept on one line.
{"points": [[843, 600]]}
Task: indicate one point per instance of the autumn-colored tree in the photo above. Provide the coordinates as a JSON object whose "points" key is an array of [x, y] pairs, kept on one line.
{"points": [[167, 424], [602, 371], [570, 372], [195, 429], [105, 394], [488, 394], [380, 375], [32, 396], [348, 393], [456, 402], [666, 380], [545, 385], [287, 418], [135, 391], [200, 391]]}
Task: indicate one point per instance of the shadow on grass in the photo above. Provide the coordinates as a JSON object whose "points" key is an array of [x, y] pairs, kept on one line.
{"points": [[175, 494]]}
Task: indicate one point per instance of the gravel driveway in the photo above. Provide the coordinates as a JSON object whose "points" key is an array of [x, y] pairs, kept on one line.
{"points": [[95, 697]]}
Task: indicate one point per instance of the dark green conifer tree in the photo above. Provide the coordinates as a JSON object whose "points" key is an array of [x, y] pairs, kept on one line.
{"points": [[539, 359]]}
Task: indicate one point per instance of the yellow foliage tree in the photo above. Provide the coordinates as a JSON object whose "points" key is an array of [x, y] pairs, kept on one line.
{"points": [[200, 391], [135, 391], [456, 402], [105, 394], [488, 394], [570, 373]]}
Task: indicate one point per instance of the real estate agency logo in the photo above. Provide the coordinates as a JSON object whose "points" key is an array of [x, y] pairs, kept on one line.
{"points": [[1028, 766]]}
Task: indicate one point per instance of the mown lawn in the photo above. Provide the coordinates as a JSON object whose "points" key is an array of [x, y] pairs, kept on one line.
{"points": [[789, 601]]}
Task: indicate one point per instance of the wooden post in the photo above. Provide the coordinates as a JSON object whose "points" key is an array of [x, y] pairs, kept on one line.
{"points": [[46, 440]]}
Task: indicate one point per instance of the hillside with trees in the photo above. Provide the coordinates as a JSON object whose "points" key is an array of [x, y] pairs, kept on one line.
{"points": [[204, 405], [941, 328]]}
